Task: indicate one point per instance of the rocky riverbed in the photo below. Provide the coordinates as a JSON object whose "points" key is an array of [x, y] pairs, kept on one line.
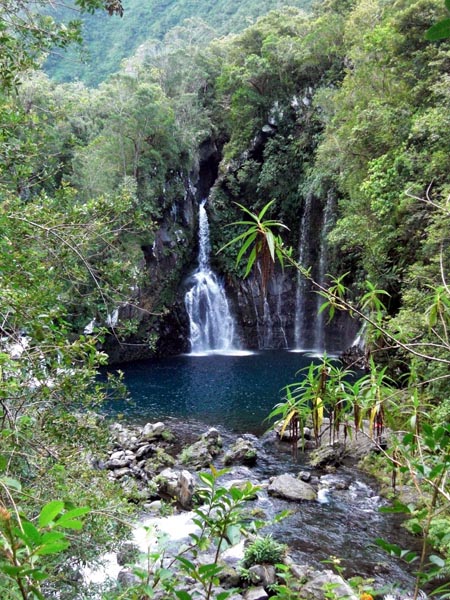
{"points": [[333, 507]]}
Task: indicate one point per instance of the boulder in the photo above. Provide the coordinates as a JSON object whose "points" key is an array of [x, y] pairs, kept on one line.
{"points": [[213, 441], [153, 431], [186, 488], [179, 485], [127, 579], [264, 575], [320, 584], [288, 487], [256, 593], [159, 461], [197, 456], [243, 451], [325, 456], [144, 451], [119, 473], [229, 576]]}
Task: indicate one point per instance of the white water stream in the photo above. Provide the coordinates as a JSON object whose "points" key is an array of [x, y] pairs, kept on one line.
{"points": [[210, 322]]}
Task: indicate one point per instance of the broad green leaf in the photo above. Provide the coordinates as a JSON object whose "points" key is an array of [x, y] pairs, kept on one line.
{"points": [[70, 524], [224, 595], [397, 507], [11, 570], [182, 595], [271, 244], [37, 594], [38, 575], [265, 209], [49, 512], [210, 570], [31, 532], [236, 239], [52, 548], [3, 462], [250, 262], [251, 238], [52, 536], [187, 564], [75, 512], [439, 31], [206, 478], [437, 560]]}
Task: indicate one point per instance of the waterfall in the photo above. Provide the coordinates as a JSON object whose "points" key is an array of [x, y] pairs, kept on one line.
{"points": [[327, 222], [302, 283], [210, 322]]}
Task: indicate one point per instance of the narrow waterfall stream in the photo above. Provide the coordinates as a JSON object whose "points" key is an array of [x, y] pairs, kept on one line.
{"points": [[211, 326], [327, 222], [302, 283]]}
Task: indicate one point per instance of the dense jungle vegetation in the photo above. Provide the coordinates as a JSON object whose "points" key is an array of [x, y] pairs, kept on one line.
{"points": [[350, 99]]}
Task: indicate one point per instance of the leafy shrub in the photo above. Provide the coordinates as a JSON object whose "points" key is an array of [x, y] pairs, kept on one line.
{"points": [[264, 550]]}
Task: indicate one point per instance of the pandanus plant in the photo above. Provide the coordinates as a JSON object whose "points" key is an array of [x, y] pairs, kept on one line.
{"points": [[260, 240]]}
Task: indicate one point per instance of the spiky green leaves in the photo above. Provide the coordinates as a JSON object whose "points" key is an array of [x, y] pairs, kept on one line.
{"points": [[260, 242]]}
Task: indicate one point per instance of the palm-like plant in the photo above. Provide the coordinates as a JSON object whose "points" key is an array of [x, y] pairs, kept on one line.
{"points": [[264, 245]]}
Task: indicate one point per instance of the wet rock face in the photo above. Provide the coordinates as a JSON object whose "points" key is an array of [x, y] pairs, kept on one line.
{"points": [[266, 318]]}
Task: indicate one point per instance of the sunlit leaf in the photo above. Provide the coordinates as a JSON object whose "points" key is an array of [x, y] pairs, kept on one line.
{"points": [[49, 512]]}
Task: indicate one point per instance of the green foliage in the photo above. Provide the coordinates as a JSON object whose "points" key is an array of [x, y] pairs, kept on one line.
{"points": [[25, 545], [440, 30], [263, 550], [260, 241], [221, 521], [142, 22]]}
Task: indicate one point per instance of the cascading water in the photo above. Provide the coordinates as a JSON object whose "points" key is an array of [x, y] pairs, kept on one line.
{"points": [[327, 222], [210, 322], [302, 283]]}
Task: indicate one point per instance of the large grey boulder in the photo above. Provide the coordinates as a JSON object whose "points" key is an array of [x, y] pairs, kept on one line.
{"points": [[288, 487], [243, 452], [153, 431], [213, 441], [200, 455], [197, 456]]}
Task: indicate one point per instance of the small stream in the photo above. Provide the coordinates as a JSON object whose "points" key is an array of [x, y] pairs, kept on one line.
{"points": [[235, 394]]}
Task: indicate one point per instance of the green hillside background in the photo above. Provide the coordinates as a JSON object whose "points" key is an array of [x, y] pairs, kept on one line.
{"points": [[108, 40]]}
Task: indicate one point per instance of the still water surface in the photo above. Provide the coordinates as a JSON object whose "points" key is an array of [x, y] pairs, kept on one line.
{"points": [[237, 392]]}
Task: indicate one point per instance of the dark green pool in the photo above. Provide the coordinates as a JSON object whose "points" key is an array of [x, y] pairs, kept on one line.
{"points": [[236, 391]]}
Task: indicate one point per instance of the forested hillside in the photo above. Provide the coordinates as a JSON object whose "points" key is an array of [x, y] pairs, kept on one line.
{"points": [[106, 42], [339, 118]]}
